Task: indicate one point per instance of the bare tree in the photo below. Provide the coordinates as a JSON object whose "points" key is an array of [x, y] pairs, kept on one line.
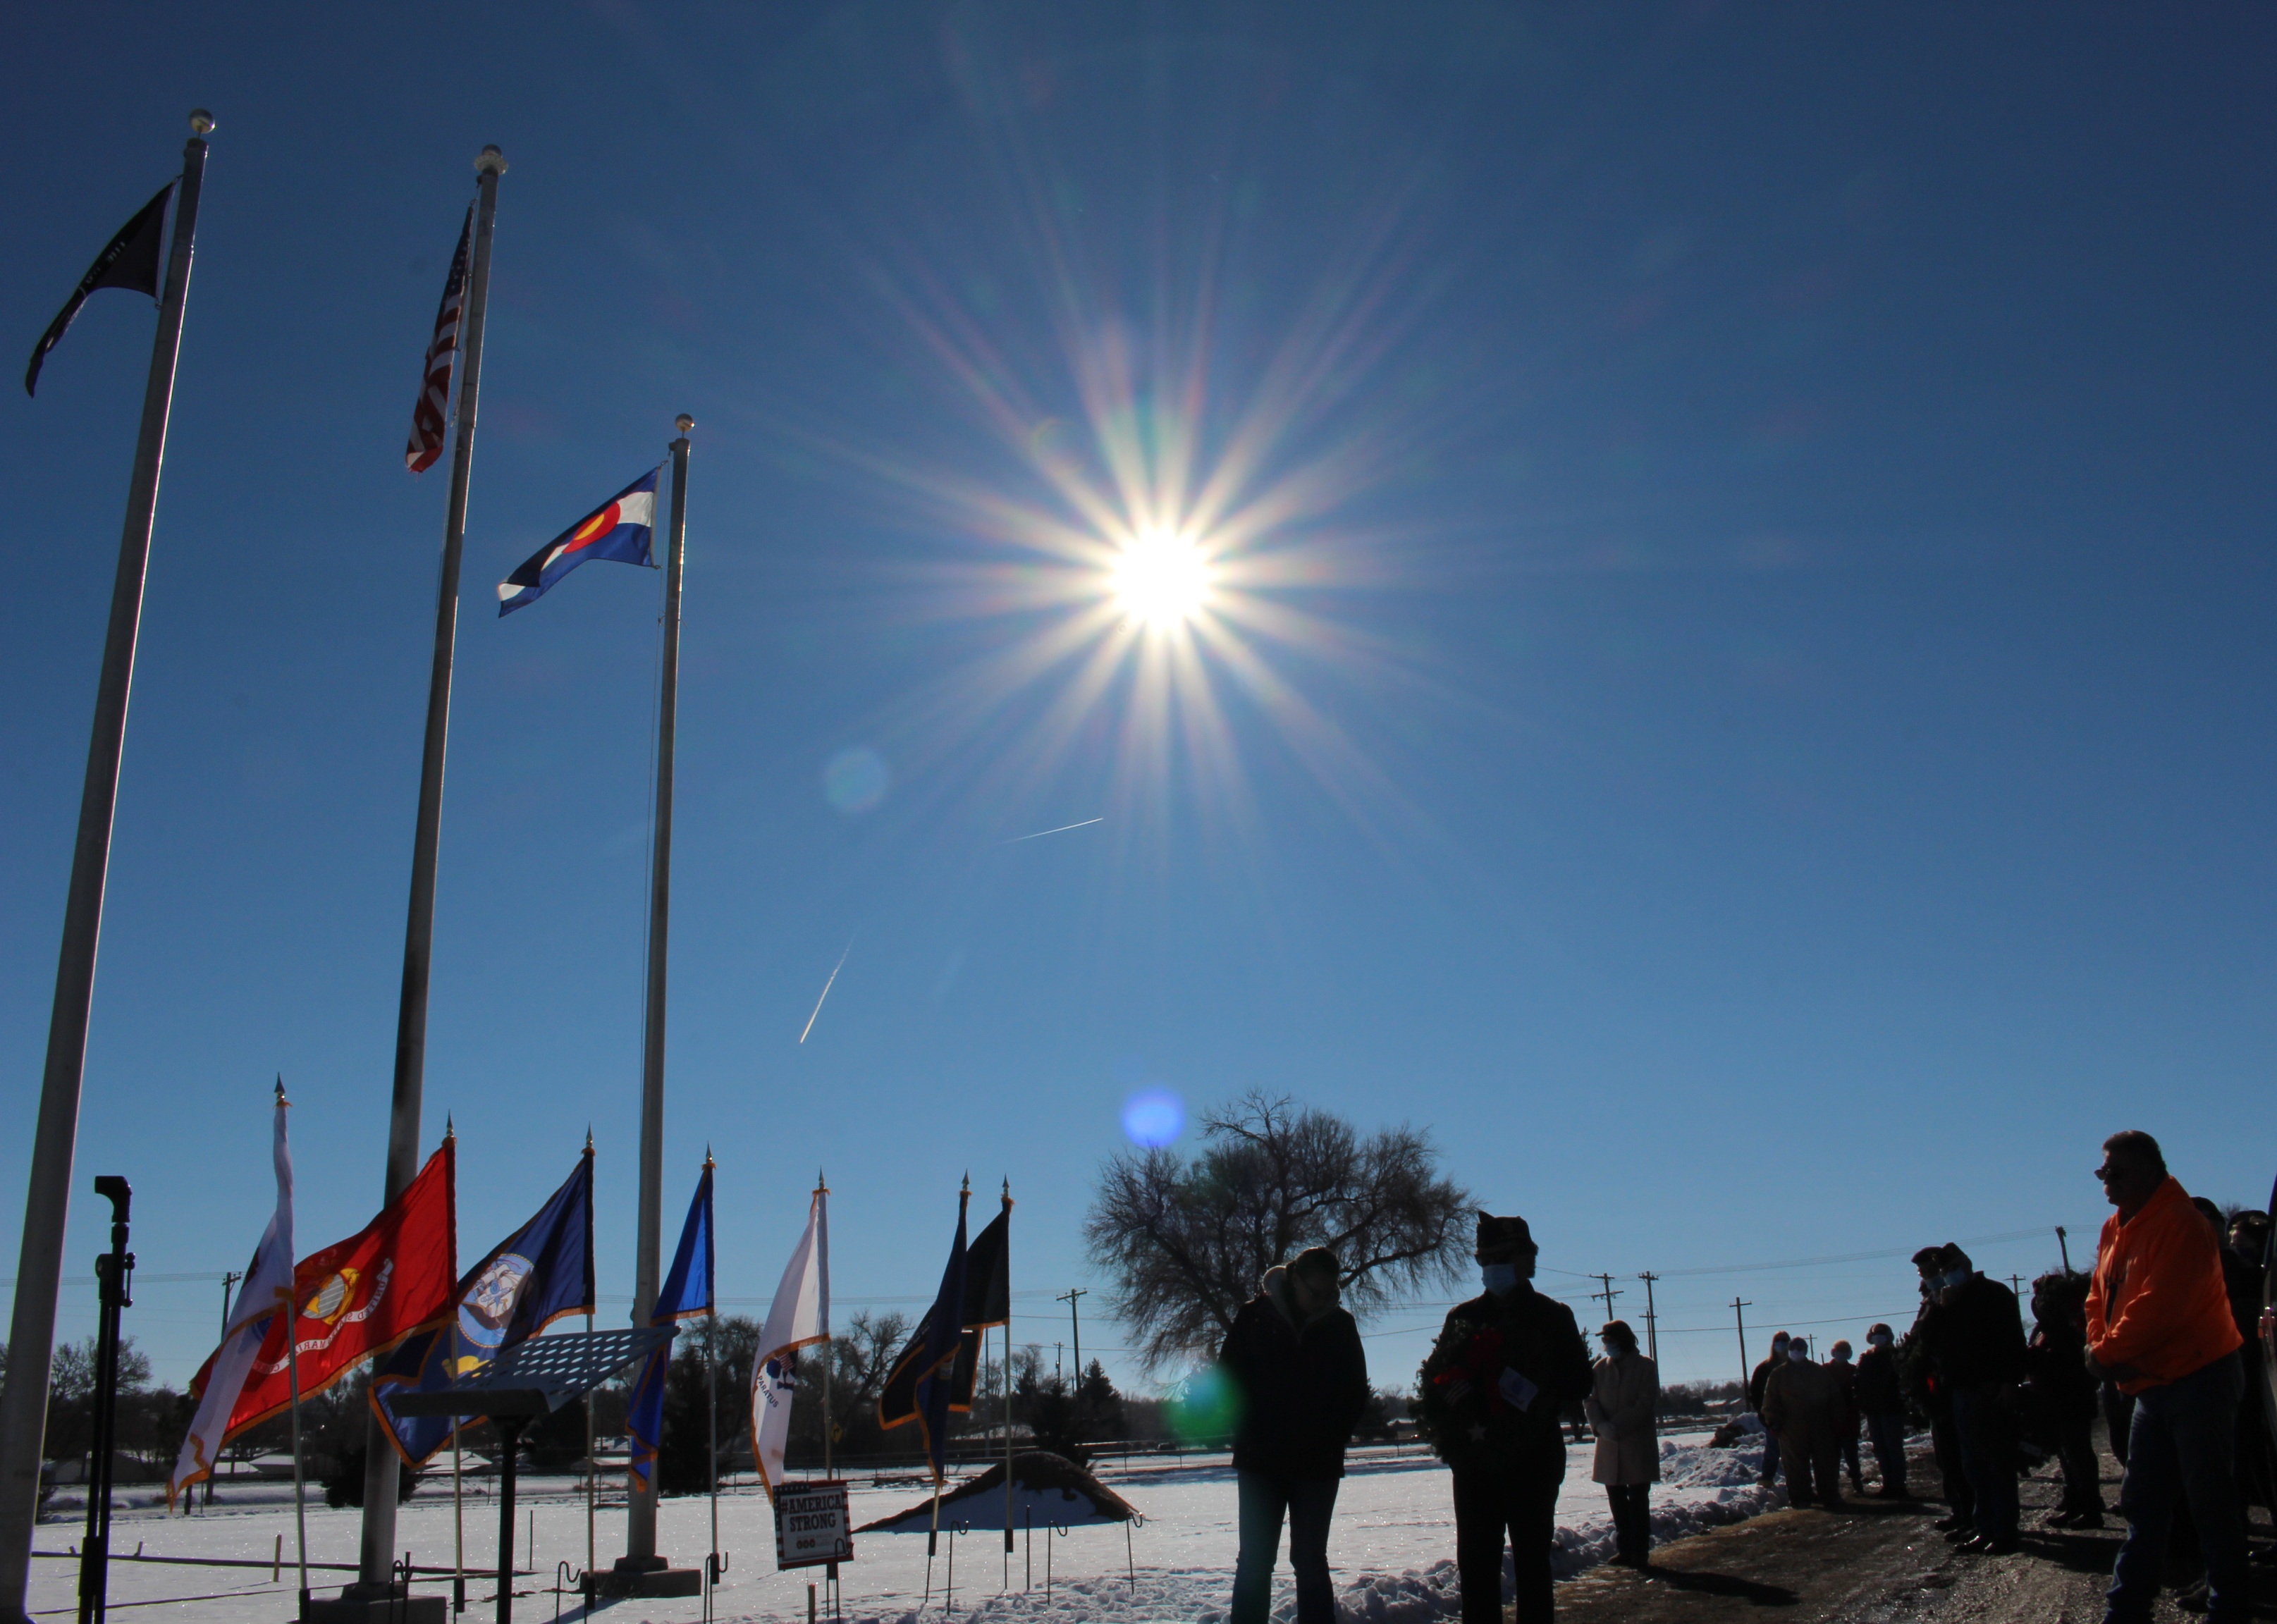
{"points": [[1186, 1242]]}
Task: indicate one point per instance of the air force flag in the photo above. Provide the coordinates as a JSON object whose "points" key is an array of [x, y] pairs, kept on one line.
{"points": [[618, 529]]}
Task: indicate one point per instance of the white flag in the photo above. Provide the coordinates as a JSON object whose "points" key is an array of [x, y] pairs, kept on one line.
{"points": [[268, 1287], [798, 1317]]}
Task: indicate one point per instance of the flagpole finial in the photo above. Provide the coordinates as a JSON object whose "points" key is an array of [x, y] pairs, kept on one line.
{"points": [[684, 423], [490, 161], [281, 1100], [201, 122], [708, 1163], [589, 1139], [968, 1181], [450, 1127], [818, 1180]]}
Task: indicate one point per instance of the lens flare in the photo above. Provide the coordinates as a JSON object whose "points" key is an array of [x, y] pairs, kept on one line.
{"points": [[1154, 1118], [856, 780]]}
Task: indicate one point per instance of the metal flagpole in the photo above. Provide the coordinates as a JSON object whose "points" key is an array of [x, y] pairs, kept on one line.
{"points": [[1008, 1388], [458, 1514], [640, 1518], [711, 1428], [299, 1494], [375, 1564], [228, 1279], [47, 1197]]}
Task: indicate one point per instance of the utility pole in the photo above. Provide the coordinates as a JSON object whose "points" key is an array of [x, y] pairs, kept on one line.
{"points": [[229, 1279], [1741, 1320], [1076, 1326], [1058, 1348], [1608, 1293], [2016, 1285], [2064, 1247], [1651, 1330]]}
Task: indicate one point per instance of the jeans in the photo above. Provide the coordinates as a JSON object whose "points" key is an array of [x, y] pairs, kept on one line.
{"points": [[1850, 1455], [1771, 1456], [1888, 1431], [2082, 1473], [2182, 1441], [1632, 1521], [1814, 1465], [1987, 1432], [1488, 1504], [1309, 1503]]}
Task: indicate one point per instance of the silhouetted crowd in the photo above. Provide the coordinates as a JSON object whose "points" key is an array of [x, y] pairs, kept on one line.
{"points": [[2164, 1340]]}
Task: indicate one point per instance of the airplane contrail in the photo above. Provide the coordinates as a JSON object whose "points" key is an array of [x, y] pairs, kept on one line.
{"points": [[827, 986], [1062, 829]]}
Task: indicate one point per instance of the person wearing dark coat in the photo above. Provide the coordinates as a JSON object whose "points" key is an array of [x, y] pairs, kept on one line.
{"points": [[1881, 1401], [2248, 1242], [2063, 1394], [1505, 1366], [1917, 1361], [1757, 1384], [1846, 1375], [1979, 1351], [1294, 1358]]}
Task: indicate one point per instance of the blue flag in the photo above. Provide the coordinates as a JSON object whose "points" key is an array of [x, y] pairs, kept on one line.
{"points": [[922, 1386], [533, 1277], [687, 1292], [618, 529]]}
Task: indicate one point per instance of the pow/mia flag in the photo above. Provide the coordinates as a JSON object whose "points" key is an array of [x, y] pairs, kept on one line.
{"points": [[129, 260]]}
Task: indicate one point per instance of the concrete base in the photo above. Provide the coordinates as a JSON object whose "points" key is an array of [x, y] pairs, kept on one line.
{"points": [[622, 1581], [397, 1609]]}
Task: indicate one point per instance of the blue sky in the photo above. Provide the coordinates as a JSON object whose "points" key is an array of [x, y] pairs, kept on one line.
{"points": [[1746, 705]]}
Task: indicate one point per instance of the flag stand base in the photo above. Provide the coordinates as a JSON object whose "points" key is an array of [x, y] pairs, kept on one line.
{"points": [[384, 1602], [651, 1576]]}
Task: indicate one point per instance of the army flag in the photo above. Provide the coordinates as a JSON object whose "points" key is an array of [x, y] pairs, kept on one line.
{"points": [[798, 1317], [268, 1287], [536, 1276]]}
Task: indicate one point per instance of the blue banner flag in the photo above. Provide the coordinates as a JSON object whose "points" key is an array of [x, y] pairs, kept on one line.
{"points": [[687, 1292], [922, 1386], [618, 530], [533, 1277]]}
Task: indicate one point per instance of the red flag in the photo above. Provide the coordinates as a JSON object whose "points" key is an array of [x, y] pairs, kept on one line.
{"points": [[427, 419], [360, 1296]]}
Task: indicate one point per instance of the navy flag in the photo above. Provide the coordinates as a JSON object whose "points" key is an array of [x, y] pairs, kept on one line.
{"points": [[686, 1293], [924, 1378], [129, 260], [536, 1276]]}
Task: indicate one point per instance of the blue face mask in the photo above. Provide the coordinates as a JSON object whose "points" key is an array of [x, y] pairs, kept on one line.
{"points": [[1501, 1278]]}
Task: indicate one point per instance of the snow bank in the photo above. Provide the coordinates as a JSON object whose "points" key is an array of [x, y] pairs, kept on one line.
{"points": [[1701, 1488]]}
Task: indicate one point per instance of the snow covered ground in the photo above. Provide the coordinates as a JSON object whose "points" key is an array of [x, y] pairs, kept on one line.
{"points": [[1391, 1549]]}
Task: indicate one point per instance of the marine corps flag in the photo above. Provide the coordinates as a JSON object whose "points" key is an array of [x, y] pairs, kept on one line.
{"points": [[533, 1277], [358, 1297]]}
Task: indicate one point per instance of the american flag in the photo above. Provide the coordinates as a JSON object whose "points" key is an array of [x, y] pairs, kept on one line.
{"points": [[428, 423]]}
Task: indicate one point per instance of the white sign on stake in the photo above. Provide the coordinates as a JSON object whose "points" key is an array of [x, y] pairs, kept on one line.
{"points": [[811, 1526]]}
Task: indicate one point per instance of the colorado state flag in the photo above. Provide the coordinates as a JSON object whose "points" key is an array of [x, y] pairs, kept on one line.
{"points": [[618, 529]]}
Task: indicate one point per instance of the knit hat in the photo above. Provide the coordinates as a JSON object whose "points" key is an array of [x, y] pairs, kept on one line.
{"points": [[1502, 1239]]}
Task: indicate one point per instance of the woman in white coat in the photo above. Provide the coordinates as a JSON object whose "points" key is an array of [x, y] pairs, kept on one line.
{"points": [[1624, 1405]]}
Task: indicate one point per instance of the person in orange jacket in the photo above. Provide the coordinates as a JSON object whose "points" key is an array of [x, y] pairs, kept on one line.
{"points": [[2158, 1325]]}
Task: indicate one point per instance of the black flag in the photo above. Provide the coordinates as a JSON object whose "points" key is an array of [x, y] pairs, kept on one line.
{"points": [[988, 1302], [130, 260]]}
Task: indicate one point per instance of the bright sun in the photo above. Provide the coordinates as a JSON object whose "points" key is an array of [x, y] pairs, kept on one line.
{"points": [[1161, 579]]}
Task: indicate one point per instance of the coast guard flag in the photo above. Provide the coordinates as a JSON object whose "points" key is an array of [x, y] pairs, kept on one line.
{"points": [[798, 1317], [923, 1380], [541, 1272], [268, 1288], [687, 1292], [618, 529]]}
